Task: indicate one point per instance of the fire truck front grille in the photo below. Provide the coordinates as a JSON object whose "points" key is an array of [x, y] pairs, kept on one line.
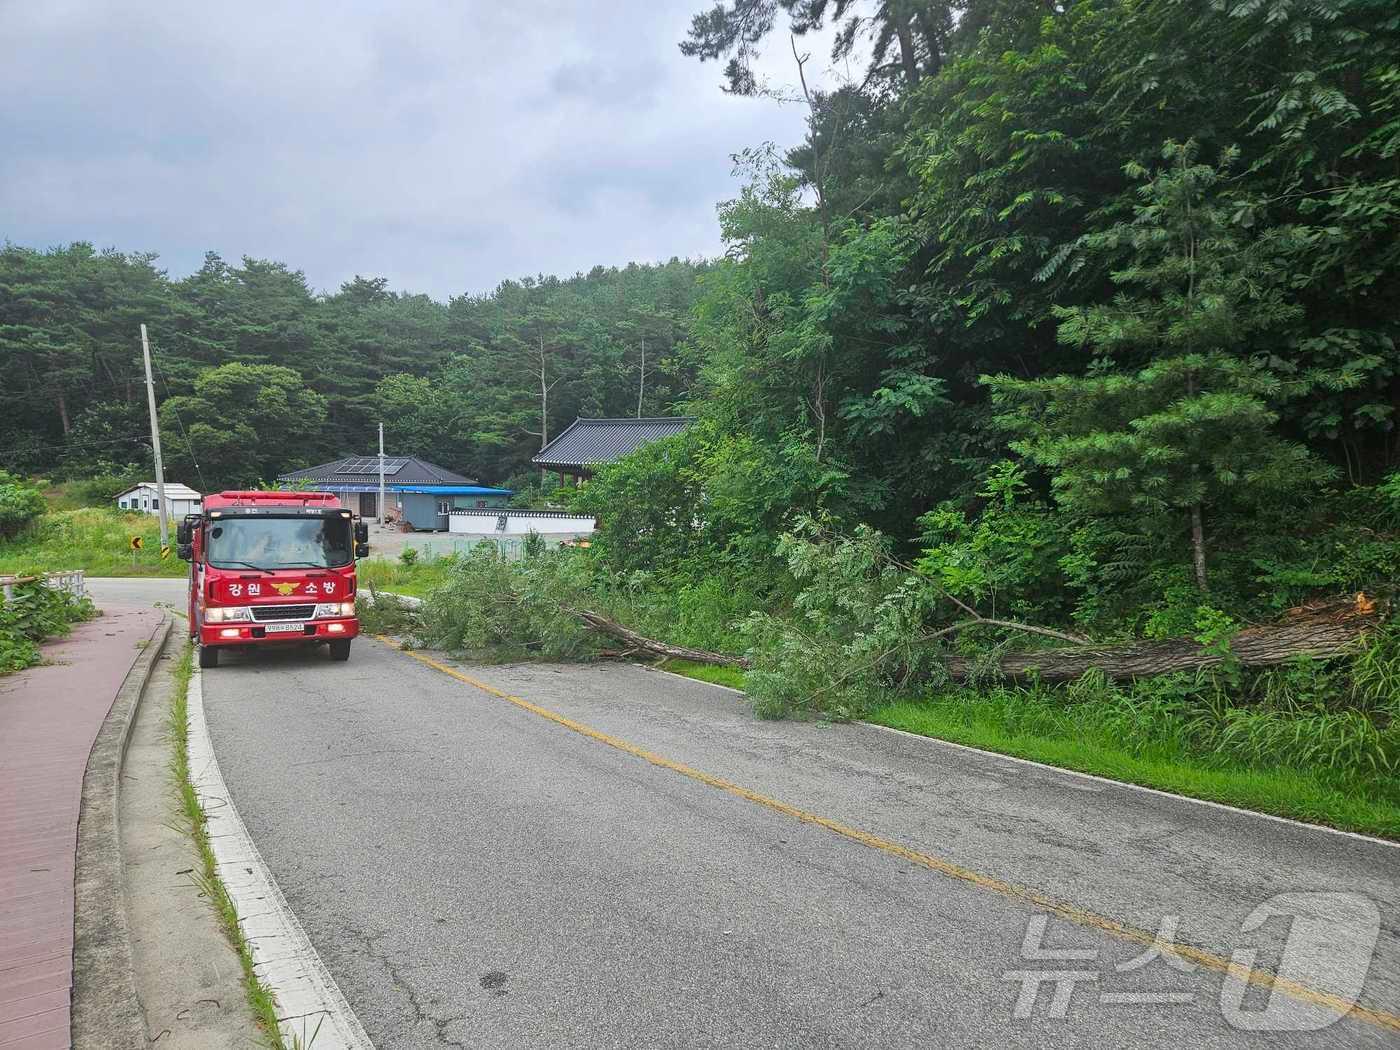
{"points": [[264, 613]]}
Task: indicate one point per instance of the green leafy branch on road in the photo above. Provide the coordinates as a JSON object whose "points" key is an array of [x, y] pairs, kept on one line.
{"points": [[196, 825]]}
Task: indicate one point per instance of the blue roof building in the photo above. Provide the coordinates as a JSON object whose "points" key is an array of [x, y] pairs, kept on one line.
{"points": [[415, 491]]}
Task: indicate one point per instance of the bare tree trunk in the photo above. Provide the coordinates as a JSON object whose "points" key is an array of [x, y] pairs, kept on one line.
{"points": [[544, 403], [818, 163], [819, 184], [1198, 547], [935, 41], [907, 58], [642, 378], [544, 399], [63, 413]]}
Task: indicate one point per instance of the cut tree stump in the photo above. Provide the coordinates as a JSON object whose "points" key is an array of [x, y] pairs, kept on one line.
{"points": [[1318, 631]]}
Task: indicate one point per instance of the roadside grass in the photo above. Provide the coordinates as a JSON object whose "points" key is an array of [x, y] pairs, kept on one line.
{"points": [[97, 540], [195, 823], [85, 492], [1369, 806], [730, 676], [417, 580]]}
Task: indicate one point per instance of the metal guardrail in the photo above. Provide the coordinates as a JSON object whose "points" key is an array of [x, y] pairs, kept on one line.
{"points": [[74, 582]]}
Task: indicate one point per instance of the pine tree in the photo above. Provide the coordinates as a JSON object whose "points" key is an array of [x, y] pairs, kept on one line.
{"points": [[1174, 419]]}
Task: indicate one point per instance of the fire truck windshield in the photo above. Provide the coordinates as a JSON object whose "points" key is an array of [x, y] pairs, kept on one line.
{"points": [[279, 543]]}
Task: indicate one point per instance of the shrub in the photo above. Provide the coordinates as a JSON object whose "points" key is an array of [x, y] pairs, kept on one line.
{"points": [[704, 499], [34, 613], [1008, 558], [20, 504]]}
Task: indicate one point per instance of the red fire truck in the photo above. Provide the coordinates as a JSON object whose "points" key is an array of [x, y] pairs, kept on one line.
{"points": [[272, 568]]}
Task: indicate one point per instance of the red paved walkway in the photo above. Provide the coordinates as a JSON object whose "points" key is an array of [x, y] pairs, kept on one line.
{"points": [[49, 717]]}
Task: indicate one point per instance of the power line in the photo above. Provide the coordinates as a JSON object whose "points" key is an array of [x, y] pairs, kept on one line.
{"points": [[27, 449]]}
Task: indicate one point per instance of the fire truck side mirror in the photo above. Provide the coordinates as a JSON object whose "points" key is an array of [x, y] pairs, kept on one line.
{"points": [[362, 550], [183, 535], [361, 533], [185, 551]]}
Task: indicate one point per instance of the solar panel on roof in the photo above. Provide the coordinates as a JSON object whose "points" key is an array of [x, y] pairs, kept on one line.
{"points": [[370, 465]]}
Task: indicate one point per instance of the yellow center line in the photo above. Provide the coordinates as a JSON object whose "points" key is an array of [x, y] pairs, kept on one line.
{"points": [[1079, 916]]}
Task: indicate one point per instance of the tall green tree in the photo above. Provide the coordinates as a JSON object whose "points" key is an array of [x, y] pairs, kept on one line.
{"points": [[907, 39], [243, 424], [1175, 417]]}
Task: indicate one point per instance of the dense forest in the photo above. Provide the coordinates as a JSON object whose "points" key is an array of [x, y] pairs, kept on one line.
{"points": [[1089, 307], [258, 375]]}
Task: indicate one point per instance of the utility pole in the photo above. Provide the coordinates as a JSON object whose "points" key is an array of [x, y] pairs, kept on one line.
{"points": [[381, 475], [155, 441]]}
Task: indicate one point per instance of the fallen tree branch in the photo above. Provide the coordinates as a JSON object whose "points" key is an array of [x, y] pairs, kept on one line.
{"points": [[1011, 625], [613, 629], [1319, 631]]}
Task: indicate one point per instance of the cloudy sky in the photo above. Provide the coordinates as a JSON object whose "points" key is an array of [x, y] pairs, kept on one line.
{"points": [[444, 145]]}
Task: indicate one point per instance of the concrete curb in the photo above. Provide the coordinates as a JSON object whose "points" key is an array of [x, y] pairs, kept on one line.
{"points": [[311, 1010], [106, 1011]]}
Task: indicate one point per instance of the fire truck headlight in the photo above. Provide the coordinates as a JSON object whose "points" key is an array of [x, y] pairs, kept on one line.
{"points": [[330, 610], [228, 615]]}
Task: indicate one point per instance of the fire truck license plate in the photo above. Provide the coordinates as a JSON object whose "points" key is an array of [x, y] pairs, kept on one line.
{"points": [[284, 628]]}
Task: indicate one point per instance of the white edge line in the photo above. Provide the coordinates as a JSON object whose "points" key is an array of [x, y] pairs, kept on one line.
{"points": [[697, 681], [311, 1008], [1373, 840], [939, 741]]}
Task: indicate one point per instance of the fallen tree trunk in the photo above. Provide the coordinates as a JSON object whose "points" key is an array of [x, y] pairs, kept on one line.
{"points": [[640, 643], [1317, 631]]}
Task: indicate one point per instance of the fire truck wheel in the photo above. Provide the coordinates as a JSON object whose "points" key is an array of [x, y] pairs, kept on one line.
{"points": [[208, 656], [340, 650]]}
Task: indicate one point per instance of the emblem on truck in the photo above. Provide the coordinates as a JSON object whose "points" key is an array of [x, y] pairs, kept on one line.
{"points": [[284, 589]]}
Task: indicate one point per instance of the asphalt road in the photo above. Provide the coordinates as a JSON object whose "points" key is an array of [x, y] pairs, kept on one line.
{"points": [[663, 870]]}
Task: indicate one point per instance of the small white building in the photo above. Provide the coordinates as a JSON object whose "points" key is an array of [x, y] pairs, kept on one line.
{"points": [[182, 499]]}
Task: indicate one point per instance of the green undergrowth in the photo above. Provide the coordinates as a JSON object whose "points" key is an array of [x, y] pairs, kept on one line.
{"points": [[417, 579], [730, 676], [96, 540], [195, 824], [1334, 766], [33, 613]]}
